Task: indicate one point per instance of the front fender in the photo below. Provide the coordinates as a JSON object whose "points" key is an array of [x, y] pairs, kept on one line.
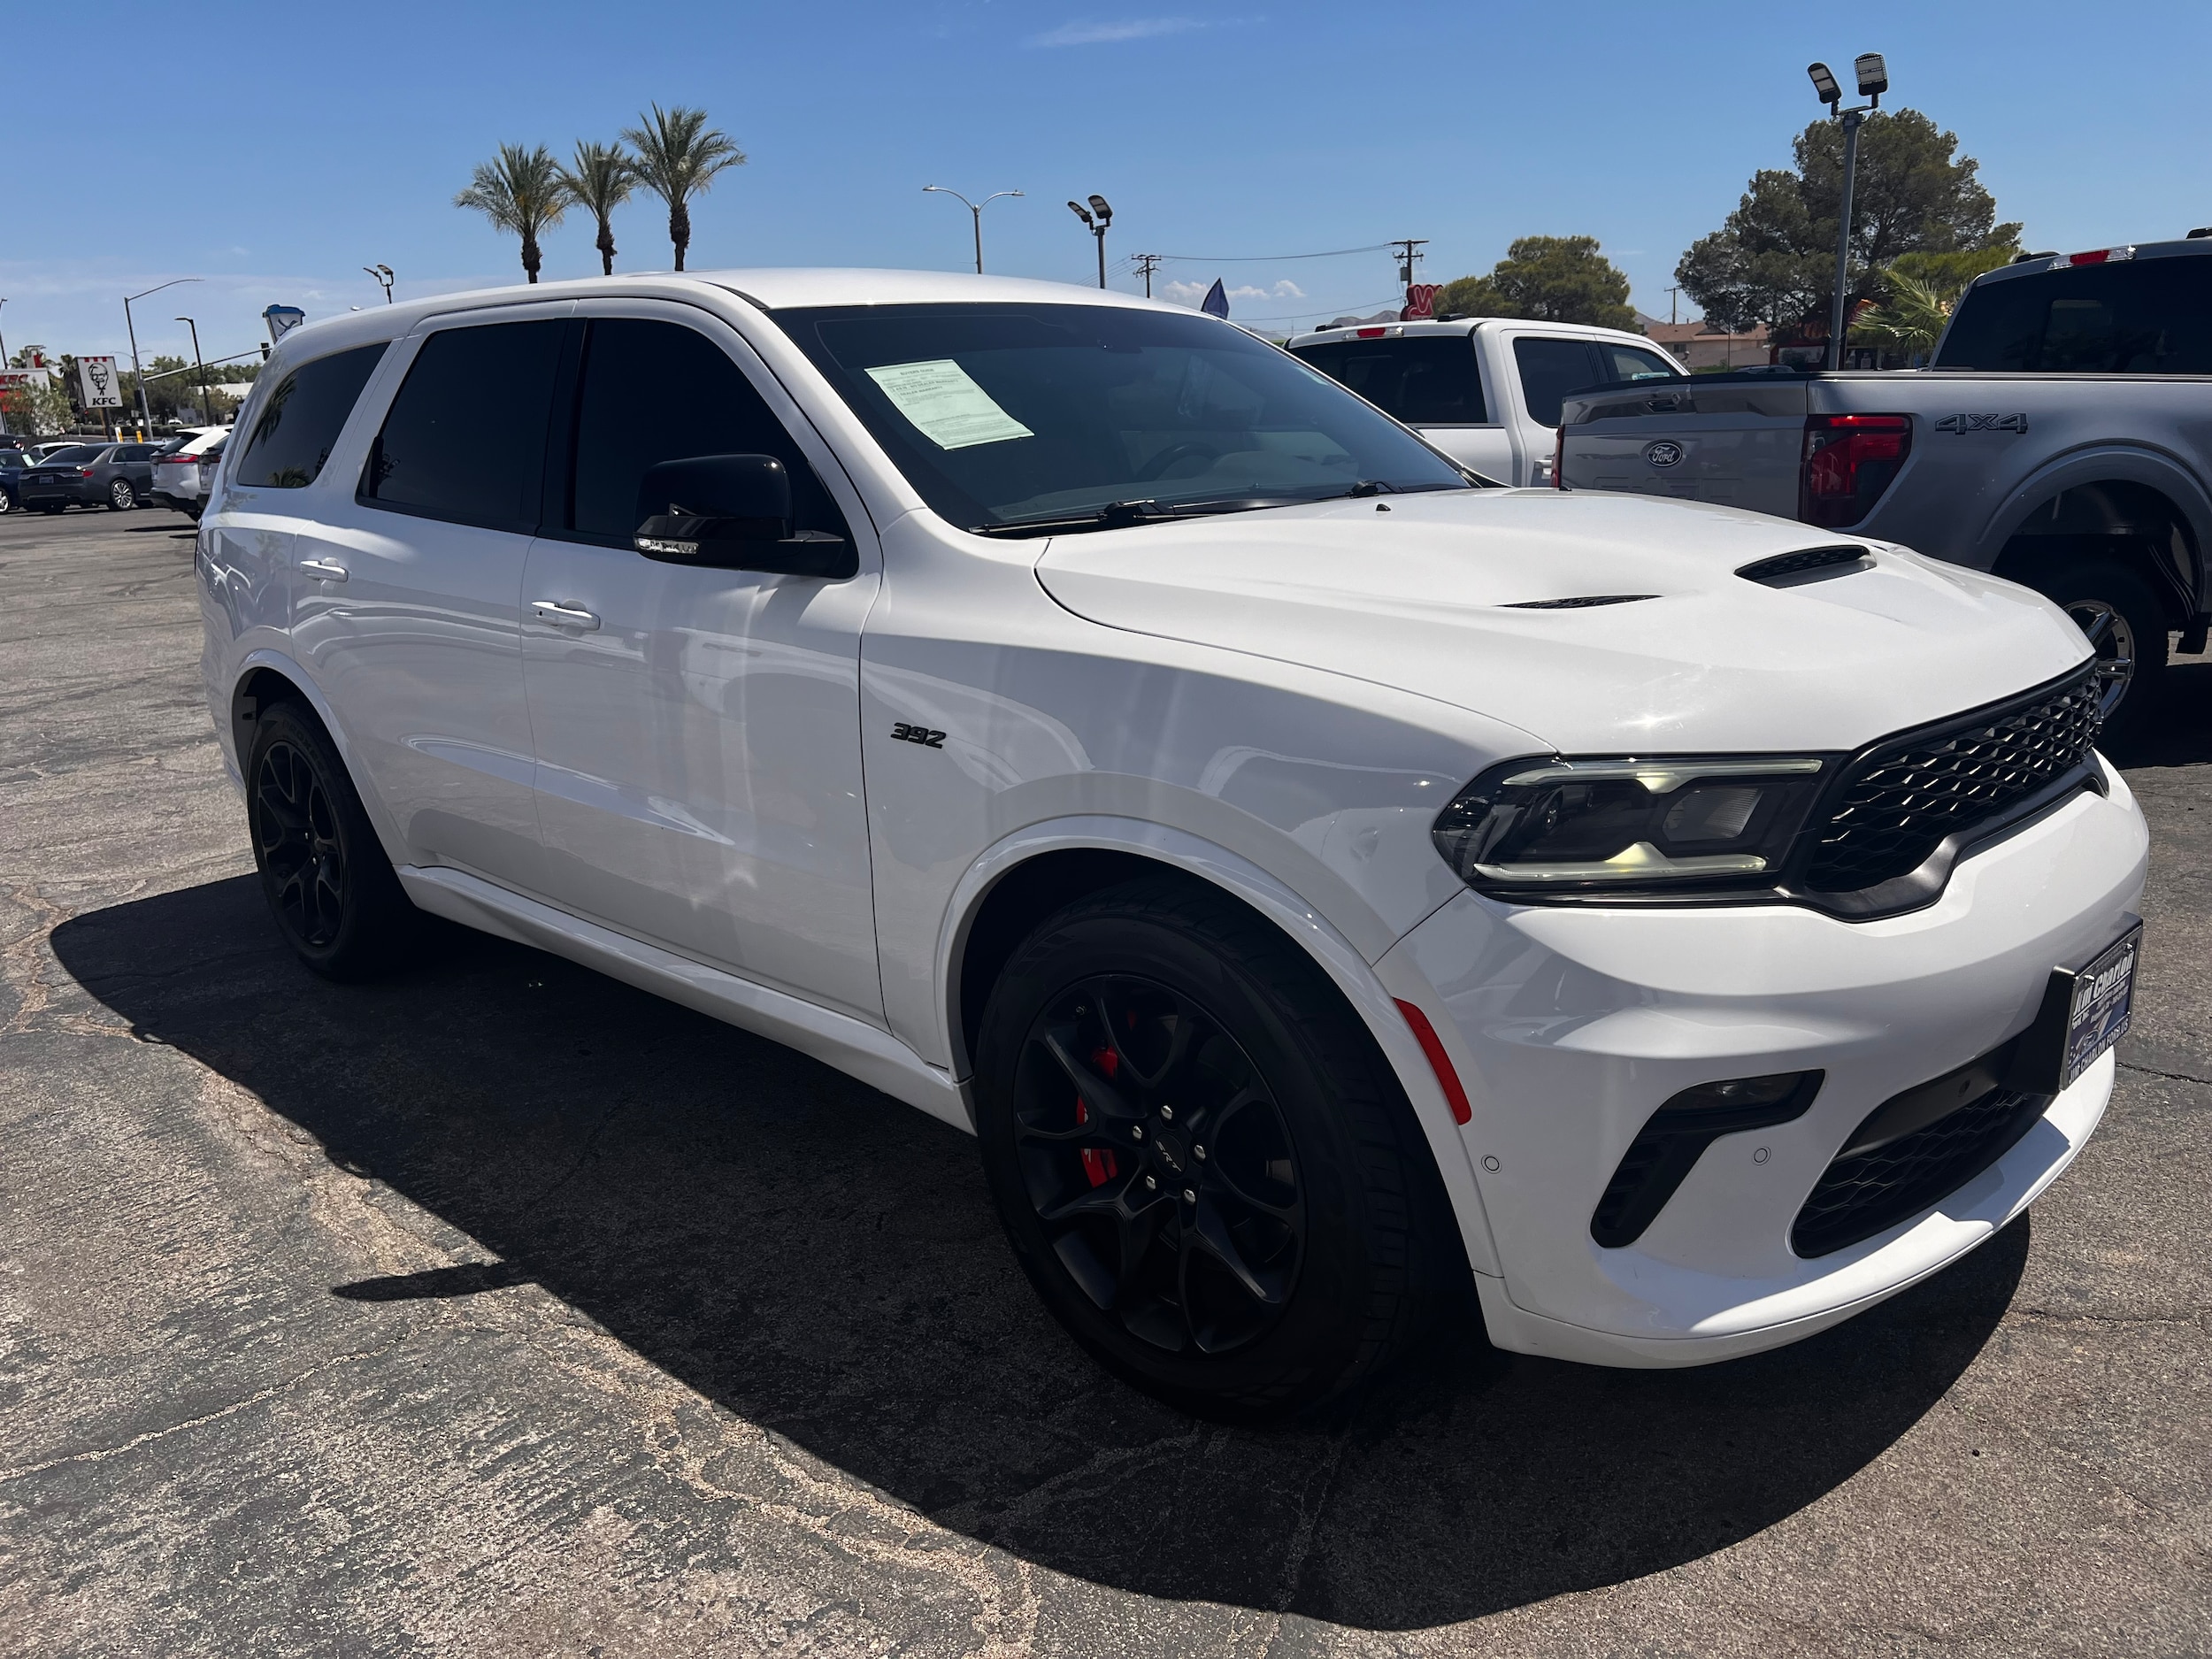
{"points": [[1347, 968]]}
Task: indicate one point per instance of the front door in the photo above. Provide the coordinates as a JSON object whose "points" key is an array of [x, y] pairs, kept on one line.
{"points": [[697, 730], [409, 589]]}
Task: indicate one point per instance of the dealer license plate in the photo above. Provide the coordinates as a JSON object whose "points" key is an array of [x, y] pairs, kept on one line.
{"points": [[2104, 995]]}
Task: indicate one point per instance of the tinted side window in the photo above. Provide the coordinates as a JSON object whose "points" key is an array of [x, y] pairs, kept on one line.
{"points": [[2142, 316], [1549, 370], [291, 437], [1427, 379], [654, 392], [465, 437]]}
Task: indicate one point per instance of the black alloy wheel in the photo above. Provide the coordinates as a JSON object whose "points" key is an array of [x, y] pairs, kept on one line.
{"points": [[328, 884], [2125, 626], [295, 841], [122, 496], [1159, 1165], [1200, 1158]]}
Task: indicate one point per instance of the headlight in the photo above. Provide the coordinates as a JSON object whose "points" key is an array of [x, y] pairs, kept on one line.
{"points": [[1611, 827]]}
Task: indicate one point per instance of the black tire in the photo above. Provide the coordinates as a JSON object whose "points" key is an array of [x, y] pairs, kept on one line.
{"points": [[7, 502], [329, 886], [2115, 606], [1318, 1178], [122, 496]]}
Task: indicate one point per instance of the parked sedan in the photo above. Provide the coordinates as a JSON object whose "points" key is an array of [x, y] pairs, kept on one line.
{"points": [[118, 475], [12, 463]]}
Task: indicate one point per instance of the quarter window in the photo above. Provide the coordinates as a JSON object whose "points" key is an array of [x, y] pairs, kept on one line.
{"points": [[655, 391], [465, 437], [292, 436]]}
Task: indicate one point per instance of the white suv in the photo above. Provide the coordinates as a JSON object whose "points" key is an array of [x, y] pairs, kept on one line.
{"points": [[1316, 877], [1486, 390], [181, 471]]}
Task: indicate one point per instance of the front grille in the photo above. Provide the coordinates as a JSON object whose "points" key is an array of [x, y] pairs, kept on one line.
{"points": [[1912, 792], [1860, 1196]]}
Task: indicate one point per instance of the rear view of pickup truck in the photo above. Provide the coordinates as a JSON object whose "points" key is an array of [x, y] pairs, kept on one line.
{"points": [[2063, 439]]}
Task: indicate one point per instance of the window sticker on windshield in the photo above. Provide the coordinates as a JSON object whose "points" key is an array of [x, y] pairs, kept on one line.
{"points": [[951, 410]]}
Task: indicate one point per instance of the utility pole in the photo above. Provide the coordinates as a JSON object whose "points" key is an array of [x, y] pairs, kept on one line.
{"points": [[207, 408], [1147, 263], [1409, 251], [1672, 307], [1873, 78]]}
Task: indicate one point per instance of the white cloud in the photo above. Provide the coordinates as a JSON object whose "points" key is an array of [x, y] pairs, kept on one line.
{"points": [[1122, 29], [1191, 293]]}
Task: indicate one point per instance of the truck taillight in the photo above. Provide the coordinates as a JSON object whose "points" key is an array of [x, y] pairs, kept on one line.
{"points": [[1559, 461], [1849, 461]]}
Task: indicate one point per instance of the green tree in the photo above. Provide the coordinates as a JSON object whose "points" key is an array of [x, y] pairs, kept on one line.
{"points": [[1773, 261], [1910, 321], [1948, 273], [1555, 279], [602, 179], [521, 192], [678, 155]]}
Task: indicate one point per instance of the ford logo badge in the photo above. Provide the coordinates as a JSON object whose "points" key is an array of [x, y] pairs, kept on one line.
{"points": [[1663, 454]]}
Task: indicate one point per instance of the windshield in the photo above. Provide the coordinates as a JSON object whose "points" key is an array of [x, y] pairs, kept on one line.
{"points": [[1005, 414]]}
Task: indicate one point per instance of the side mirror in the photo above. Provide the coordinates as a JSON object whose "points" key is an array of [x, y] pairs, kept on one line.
{"points": [[731, 512]]}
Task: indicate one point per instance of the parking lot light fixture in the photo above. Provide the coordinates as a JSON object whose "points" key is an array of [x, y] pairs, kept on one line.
{"points": [[1097, 217], [975, 208], [381, 275], [1873, 78], [145, 413], [207, 409]]}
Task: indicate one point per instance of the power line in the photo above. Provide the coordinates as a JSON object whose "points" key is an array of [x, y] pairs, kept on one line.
{"points": [[1271, 259]]}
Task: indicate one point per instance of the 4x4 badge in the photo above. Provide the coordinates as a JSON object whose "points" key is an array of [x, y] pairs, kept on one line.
{"points": [[1983, 423]]}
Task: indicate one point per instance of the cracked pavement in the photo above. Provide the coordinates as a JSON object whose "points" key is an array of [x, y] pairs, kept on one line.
{"points": [[500, 1309]]}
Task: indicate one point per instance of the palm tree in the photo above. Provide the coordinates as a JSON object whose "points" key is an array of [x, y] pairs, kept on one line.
{"points": [[1913, 320], [600, 182], [520, 192], [678, 155]]}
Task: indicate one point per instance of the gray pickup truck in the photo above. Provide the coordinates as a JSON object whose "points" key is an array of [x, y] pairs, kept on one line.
{"points": [[2062, 437]]}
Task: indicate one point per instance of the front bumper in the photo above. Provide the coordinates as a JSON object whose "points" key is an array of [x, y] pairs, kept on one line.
{"points": [[1570, 1027]]}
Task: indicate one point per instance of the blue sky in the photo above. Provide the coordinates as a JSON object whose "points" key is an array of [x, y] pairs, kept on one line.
{"points": [[283, 148]]}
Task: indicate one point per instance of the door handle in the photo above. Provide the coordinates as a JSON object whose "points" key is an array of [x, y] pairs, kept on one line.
{"points": [[324, 570], [563, 616]]}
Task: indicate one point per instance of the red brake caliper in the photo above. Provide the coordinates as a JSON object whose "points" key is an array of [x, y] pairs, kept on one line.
{"points": [[1098, 1162]]}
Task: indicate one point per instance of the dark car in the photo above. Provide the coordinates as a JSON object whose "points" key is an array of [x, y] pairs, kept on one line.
{"points": [[117, 475], [12, 463]]}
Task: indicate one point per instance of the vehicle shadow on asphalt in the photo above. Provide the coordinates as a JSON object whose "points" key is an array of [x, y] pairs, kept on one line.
{"points": [[825, 1263]]}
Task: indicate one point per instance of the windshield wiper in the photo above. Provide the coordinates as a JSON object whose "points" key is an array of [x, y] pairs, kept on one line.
{"points": [[1121, 514]]}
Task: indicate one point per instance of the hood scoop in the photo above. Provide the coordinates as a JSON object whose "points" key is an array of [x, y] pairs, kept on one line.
{"points": [[1578, 602], [1814, 565]]}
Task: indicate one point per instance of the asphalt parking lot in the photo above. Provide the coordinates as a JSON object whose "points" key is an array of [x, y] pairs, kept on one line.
{"points": [[501, 1309]]}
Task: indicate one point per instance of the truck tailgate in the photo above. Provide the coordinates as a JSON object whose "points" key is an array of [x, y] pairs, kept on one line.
{"points": [[1735, 444]]}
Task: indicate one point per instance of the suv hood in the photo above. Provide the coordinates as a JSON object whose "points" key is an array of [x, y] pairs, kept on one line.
{"points": [[1419, 592]]}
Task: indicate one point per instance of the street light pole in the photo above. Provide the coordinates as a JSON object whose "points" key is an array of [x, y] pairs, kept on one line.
{"points": [[138, 373], [381, 275], [1097, 217], [975, 208], [1873, 78], [207, 409]]}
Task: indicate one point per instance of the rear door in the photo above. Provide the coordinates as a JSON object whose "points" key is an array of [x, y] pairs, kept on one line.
{"points": [[409, 615], [697, 730]]}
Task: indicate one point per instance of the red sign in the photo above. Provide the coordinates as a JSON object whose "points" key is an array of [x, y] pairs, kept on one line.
{"points": [[1420, 302]]}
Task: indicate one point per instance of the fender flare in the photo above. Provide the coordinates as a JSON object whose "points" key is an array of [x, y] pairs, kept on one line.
{"points": [[2103, 464], [1348, 971]]}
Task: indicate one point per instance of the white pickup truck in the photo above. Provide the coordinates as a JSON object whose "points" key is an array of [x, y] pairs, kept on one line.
{"points": [[1486, 390], [2062, 438]]}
